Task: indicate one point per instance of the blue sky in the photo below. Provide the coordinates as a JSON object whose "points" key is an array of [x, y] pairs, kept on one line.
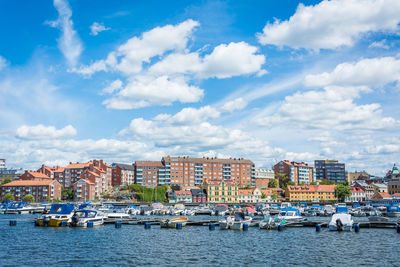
{"points": [[264, 80]]}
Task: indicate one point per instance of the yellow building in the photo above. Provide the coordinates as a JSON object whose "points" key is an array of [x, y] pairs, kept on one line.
{"points": [[311, 193], [222, 191]]}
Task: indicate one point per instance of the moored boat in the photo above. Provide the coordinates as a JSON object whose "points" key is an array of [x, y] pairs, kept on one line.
{"points": [[82, 218], [18, 208], [341, 220], [290, 214], [173, 222], [58, 213]]}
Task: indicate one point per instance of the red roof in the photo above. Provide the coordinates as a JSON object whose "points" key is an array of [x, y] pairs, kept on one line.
{"points": [[39, 175], [218, 182], [187, 193], [29, 183], [357, 189]]}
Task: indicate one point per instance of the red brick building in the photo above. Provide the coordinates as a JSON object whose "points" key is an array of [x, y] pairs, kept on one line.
{"points": [[297, 172], [149, 173], [122, 174], [42, 190], [84, 190], [34, 176], [199, 195]]}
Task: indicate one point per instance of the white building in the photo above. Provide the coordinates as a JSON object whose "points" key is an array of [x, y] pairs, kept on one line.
{"points": [[262, 177], [357, 194]]}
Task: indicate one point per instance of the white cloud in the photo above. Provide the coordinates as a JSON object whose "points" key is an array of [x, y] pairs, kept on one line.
{"points": [[146, 90], [236, 104], [114, 86], [373, 72], [3, 63], [40, 131], [332, 24], [69, 42], [380, 44], [225, 61], [96, 27]]}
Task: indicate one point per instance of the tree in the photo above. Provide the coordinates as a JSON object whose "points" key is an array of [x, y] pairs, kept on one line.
{"points": [[292, 183], [342, 191], [313, 183], [263, 196], [273, 183], [29, 198], [6, 181], [274, 195], [326, 182], [67, 194], [8, 196], [283, 179]]}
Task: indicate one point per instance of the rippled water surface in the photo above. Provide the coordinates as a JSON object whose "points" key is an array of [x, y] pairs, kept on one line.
{"points": [[132, 245]]}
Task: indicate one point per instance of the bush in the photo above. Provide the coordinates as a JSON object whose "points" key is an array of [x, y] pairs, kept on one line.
{"points": [[8, 196], [29, 198]]}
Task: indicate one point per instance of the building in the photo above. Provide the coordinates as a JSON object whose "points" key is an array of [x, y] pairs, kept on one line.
{"points": [[122, 174], [84, 190], [311, 193], [380, 188], [368, 189], [183, 196], [262, 177], [222, 191], [147, 173], [394, 186], [299, 173], [199, 195], [2, 164], [42, 190], [34, 176], [10, 174], [381, 196], [330, 170], [357, 195], [188, 171], [354, 176], [56, 173]]}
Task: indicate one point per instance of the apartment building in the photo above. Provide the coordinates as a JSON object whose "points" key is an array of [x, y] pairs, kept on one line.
{"points": [[330, 170], [262, 177], [311, 193], [84, 190], [42, 190], [122, 174], [222, 191], [298, 172], [150, 173]]}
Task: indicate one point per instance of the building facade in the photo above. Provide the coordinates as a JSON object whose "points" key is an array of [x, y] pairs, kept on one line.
{"points": [[311, 193], [183, 196], [357, 195], [262, 177], [330, 170], [122, 174], [147, 173], [298, 172], [368, 189], [10, 174], [2, 164], [42, 190], [84, 190], [199, 195], [222, 191], [394, 186]]}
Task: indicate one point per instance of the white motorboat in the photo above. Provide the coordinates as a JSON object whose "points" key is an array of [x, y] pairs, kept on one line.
{"points": [[341, 220], [290, 214], [376, 216], [227, 223], [239, 220], [82, 218], [59, 212], [19, 208], [114, 214]]}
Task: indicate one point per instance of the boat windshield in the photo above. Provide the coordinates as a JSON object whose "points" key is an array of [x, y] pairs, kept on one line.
{"points": [[86, 214]]}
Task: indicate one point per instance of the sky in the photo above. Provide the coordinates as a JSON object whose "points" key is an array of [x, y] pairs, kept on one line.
{"points": [[263, 80]]}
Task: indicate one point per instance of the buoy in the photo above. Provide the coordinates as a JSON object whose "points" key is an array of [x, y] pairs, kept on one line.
{"points": [[398, 228], [63, 223], [356, 227], [13, 223], [318, 227], [89, 224], [179, 226], [211, 226], [118, 224], [245, 226], [147, 225], [280, 227]]}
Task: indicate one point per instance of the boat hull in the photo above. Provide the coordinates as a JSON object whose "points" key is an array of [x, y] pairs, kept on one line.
{"points": [[346, 228]]}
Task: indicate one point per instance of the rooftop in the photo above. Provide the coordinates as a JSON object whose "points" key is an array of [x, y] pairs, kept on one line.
{"points": [[29, 183], [207, 160]]}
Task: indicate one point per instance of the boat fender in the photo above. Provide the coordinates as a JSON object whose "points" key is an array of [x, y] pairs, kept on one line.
{"points": [[211, 226], [13, 223], [280, 227], [398, 228], [147, 225], [179, 226], [89, 224], [118, 224], [318, 227], [245, 226], [356, 227]]}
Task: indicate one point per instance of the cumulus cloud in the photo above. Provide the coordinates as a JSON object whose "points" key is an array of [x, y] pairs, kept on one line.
{"points": [[236, 104], [114, 86], [332, 24], [159, 68], [69, 42], [373, 72], [40, 131], [3, 63], [144, 91], [96, 27]]}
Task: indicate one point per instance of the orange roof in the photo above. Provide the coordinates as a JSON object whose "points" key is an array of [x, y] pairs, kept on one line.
{"points": [[93, 173], [29, 183], [145, 163], [39, 175], [77, 165], [85, 180], [218, 182], [183, 192], [99, 169], [266, 191], [302, 164], [326, 188], [384, 194], [355, 189], [302, 188]]}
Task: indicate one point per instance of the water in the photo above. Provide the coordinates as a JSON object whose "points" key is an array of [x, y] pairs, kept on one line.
{"points": [[27, 245]]}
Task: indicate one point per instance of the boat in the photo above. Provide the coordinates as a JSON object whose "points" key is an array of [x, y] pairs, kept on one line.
{"points": [[376, 216], [393, 211], [18, 208], [239, 220], [327, 210], [81, 218], [227, 223], [341, 220], [4, 205], [58, 213], [173, 222], [290, 214], [270, 223]]}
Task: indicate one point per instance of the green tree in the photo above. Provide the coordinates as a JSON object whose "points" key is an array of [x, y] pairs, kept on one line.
{"points": [[48, 198], [29, 198], [283, 179], [67, 194], [6, 181], [263, 196], [273, 183], [313, 183], [292, 183], [342, 191], [326, 182], [8, 196], [274, 195]]}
